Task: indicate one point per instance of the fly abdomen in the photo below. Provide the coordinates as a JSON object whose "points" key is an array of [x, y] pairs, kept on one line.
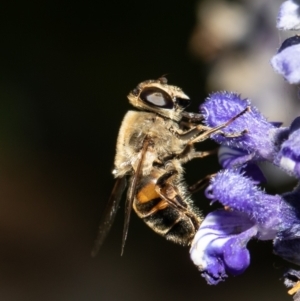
{"points": [[176, 223]]}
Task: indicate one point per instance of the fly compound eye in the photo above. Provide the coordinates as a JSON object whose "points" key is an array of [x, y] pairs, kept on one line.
{"points": [[156, 97], [183, 102]]}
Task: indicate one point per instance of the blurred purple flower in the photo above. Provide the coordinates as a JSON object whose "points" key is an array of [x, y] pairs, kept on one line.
{"points": [[286, 62], [289, 16]]}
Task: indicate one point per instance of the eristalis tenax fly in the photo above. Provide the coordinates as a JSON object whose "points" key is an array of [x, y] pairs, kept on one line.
{"points": [[152, 145]]}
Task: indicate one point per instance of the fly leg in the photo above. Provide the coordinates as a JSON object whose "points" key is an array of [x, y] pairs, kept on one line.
{"points": [[189, 153], [169, 194], [208, 131], [201, 183]]}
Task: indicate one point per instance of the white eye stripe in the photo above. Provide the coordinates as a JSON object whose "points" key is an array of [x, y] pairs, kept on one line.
{"points": [[157, 99]]}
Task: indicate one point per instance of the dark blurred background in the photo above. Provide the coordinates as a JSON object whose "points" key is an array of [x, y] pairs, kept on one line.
{"points": [[65, 70]]}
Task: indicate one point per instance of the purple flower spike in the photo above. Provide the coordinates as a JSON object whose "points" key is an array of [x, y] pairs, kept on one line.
{"points": [[219, 246], [286, 61], [288, 158], [259, 143], [239, 193], [289, 17]]}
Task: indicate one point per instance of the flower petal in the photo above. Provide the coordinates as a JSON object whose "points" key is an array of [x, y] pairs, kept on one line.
{"points": [[230, 157], [286, 61], [219, 246]]}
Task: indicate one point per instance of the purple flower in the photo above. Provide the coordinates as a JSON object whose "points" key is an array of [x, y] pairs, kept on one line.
{"points": [[286, 62], [219, 246], [263, 141], [262, 138], [289, 16], [239, 193]]}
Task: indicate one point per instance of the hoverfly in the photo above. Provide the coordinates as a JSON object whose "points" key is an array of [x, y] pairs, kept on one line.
{"points": [[152, 146]]}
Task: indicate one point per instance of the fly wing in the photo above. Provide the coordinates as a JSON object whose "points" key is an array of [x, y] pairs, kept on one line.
{"points": [[132, 189], [109, 213]]}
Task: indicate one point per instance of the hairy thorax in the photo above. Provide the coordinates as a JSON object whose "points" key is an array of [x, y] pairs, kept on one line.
{"points": [[136, 126]]}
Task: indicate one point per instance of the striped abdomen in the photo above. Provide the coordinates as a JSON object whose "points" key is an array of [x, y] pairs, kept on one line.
{"points": [[173, 218]]}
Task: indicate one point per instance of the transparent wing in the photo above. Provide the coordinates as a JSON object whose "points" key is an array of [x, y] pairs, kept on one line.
{"points": [[109, 214], [131, 192]]}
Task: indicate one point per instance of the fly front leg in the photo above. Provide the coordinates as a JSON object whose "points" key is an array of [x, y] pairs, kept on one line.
{"points": [[190, 153], [207, 135], [201, 183], [190, 120], [187, 154], [190, 134]]}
